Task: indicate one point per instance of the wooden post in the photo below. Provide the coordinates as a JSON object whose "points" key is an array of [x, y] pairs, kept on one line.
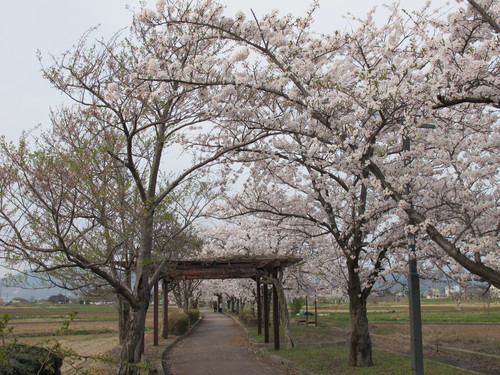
{"points": [[307, 311], [315, 311], [165, 310], [259, 309], [155, 314], [276, 316], [266, 313]]}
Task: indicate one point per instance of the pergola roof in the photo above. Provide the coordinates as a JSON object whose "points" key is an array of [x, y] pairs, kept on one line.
{"points": [[227, 268]]}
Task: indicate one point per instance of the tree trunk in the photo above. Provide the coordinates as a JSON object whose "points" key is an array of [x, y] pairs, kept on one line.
{"points": [[123, 319], [132, 346], [283, 309], [360, 353]]}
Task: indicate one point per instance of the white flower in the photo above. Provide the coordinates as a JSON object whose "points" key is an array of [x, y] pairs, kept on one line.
{"points": [[112, 94], [241, 55]]}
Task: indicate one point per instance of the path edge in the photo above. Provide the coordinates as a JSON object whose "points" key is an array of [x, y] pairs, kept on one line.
{"points": [[293, 366], [164, 368]]}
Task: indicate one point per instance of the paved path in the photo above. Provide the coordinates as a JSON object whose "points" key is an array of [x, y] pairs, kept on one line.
{"points": [[218, 346]]}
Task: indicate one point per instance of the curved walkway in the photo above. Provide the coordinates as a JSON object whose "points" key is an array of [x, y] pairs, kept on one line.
{"points": [[218, 346]]}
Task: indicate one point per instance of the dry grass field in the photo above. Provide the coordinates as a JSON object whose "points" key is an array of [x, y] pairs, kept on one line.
{"points": [[93, 333]]}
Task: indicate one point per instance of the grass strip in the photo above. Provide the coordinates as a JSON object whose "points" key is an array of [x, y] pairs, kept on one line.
{"points": [[334, 359], [70, 332], [428, 317]]}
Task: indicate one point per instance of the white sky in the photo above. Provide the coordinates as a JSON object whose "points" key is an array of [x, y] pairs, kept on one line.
{"points": [[53, 26]]}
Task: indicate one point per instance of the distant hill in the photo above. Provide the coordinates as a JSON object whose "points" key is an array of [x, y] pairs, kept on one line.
{"points": [[428, 285], [8, 293]]}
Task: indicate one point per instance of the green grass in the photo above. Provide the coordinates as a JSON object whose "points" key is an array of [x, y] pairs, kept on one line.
{"points": [[62, 317], [317, 352], [85, 312], [70, 332], [334, 359], [329, 360], [427, 316]]}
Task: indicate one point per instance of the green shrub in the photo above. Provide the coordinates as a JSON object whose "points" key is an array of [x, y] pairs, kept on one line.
{"points": [[296, 305], [26, 360], [193, 316], [178, 322]]}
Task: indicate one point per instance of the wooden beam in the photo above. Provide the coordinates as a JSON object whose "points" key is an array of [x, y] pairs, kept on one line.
{"points": [[209, 273], [226, 268]]}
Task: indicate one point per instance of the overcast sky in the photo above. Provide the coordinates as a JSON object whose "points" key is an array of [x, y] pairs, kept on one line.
{"points": [[54, 26]]}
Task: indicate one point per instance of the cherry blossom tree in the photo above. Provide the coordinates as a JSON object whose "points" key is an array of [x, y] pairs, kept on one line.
{"points": [[61, 204], [71, 217], [362, 95], [303, 189], [388, 130], [365, 91]]}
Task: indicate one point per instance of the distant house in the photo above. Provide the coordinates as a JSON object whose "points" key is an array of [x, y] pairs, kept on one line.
{"points": [[59, 299], [19, 300]]}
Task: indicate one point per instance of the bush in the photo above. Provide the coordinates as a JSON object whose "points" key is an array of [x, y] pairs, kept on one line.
{"points": [[296, 305], [27, 360], [193, 316], [248, 319], [178, 322]]}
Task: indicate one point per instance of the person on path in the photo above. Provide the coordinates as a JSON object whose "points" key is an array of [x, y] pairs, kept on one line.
{"points": [[220, 307], [214, 305]]}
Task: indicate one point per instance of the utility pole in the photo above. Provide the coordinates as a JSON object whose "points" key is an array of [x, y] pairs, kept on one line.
{"points": [[417, 352]]}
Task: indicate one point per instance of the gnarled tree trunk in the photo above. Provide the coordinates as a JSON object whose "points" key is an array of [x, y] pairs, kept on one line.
{"points": [[132, 347], [360, 353], [123, 319], [283, 309]]}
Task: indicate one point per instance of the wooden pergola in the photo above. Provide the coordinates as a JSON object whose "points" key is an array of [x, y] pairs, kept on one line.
{"points": [[256, 268]]}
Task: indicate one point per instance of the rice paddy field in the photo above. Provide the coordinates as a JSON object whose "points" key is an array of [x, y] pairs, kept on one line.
{"points": [[468, 338], [89, 339]]}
